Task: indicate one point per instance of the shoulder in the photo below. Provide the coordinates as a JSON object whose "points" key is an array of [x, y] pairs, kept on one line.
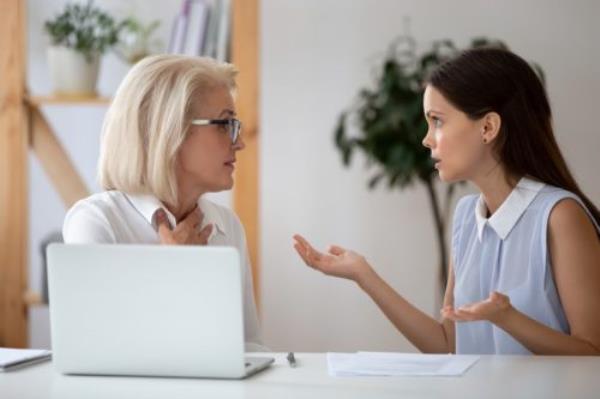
{"points": [[569, 219], [88, 219], [97, 205]]}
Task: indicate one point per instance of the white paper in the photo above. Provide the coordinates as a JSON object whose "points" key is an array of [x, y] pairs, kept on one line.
{"points": [[397, 364], [10, 356]]}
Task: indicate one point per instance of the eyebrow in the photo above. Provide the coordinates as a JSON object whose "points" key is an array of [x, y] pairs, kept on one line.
{"points": [[432, 111], [228, 112]]}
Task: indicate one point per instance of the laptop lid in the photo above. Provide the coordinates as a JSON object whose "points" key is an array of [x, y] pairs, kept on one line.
{"points": [[146, 310]]}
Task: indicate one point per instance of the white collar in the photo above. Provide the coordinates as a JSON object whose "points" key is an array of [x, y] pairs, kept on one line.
{"points": [[506, 217], [147, 205]]}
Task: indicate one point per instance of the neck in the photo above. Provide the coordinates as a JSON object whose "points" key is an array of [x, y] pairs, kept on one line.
{"points": [[187, 202], [495, 186]]}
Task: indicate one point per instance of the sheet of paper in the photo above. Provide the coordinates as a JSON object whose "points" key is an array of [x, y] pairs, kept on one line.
{"points": [[397, 364], [10, 356]]}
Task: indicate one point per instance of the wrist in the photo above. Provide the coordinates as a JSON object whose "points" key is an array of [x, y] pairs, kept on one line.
{"points": [[504, 316], [365, 276]]}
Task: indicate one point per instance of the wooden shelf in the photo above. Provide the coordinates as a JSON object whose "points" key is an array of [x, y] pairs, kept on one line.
{"points": [[67, 100]]}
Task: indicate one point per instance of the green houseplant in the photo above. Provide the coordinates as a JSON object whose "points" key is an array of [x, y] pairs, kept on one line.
{"points": [[79, 36], [391, 126]]}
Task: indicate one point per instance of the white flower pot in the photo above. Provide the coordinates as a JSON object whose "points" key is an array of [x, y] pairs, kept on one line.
{"points": [[72, 75]]}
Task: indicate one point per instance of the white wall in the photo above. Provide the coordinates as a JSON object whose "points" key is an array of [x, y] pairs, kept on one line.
{"points": [[316, 54]]}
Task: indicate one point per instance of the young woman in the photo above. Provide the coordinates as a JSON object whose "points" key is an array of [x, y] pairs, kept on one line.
{"points": [[170, 136], [524, 275]]}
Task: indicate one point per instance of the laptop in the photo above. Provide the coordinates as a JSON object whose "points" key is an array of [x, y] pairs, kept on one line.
{"points": [[148, 310]]}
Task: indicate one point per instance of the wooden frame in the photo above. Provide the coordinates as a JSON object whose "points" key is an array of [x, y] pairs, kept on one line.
{"points": [[13, 176], [244, 54]]}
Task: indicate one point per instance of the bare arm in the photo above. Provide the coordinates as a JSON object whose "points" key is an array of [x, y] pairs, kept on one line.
{"points": [[575, 257], [423, 331]]}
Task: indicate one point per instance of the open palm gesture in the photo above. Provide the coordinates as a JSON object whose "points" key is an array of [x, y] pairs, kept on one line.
{"points": [[337, 261], [490, 309]]}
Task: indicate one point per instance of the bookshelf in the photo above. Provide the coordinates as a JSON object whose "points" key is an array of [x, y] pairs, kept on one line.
{"points": [[24, 127]]}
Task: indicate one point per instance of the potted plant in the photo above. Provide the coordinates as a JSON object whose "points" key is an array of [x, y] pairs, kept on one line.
{"points": [[391, 127], [79, 36]]}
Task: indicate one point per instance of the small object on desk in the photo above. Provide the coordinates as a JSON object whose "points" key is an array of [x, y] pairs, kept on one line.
{"points": [[291, 359], [11, 358]]}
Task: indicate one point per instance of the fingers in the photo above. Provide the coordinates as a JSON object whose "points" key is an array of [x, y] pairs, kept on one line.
{"points": [[301, 240], [162, 223], [497, 297], [302, 252], [457, 315], [336, 250], [193, 219], [205, 233], [310, 253]]}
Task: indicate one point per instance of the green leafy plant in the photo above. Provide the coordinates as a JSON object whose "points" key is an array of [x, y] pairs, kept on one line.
{"points": [[135, 40], [84, 28], [391, 127]]}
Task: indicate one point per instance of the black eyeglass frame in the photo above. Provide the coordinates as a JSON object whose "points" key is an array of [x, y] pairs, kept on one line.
{"points": [[234, 126]]}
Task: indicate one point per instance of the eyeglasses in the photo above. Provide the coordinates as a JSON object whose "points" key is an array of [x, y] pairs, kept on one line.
{"points": [[234, 126]]}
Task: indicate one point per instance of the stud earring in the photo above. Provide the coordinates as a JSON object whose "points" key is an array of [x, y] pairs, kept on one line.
{"points": [[484, 141]]}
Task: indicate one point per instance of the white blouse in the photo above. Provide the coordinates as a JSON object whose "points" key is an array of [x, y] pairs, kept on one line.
{"points": [[112, 217]]}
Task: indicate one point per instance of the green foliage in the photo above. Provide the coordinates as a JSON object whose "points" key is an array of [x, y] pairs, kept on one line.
{"points": [[84, 28]]}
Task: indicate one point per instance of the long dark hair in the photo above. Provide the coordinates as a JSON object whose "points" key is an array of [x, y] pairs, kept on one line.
{"points": [[485, 80]]}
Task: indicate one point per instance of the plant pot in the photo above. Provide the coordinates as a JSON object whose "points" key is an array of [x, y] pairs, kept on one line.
{"points": [[71, 73]]}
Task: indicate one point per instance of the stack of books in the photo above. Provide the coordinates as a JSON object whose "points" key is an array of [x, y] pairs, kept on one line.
{"points": [[202, 27]]}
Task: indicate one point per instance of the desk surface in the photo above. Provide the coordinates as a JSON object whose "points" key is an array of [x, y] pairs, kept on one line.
{"points": [[491, 377]]}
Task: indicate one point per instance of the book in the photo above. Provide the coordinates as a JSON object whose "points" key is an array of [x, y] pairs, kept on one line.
{"points": [[210, 42], [179, 29], [222, 47], [197, 27], [11, 358]]}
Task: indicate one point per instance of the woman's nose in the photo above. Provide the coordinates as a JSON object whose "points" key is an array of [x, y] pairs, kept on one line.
{"points": [[239, 144], [427, 142]]}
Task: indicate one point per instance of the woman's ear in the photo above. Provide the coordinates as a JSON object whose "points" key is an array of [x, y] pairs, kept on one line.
{"points": [[491, 127]]}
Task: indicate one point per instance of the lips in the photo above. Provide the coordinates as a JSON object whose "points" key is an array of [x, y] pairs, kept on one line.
{"points": [[230, 163]]}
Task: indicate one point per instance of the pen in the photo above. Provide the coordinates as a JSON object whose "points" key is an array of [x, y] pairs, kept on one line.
{"points": [[291, 359]]}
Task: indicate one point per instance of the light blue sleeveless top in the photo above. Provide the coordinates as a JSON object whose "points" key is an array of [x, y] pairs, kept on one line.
{"points": [[507, 253]]}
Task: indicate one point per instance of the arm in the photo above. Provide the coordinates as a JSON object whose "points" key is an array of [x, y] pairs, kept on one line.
{"points": [[575, 253], [423, 331]]}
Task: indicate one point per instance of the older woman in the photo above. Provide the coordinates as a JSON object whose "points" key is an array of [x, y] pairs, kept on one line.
{"points": [[170, 136]]}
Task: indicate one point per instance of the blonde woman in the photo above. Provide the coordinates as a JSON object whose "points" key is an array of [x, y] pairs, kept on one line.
{"points": [[170, 136]]}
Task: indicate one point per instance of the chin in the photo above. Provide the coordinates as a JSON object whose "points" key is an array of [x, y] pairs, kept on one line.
{"points": [[447, 177]]}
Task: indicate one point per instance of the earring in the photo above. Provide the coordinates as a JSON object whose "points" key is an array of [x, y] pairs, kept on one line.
{"points": [[484, 141]]}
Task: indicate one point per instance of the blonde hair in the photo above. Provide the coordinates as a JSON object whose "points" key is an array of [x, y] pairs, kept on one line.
{"points": [[149, 118]]}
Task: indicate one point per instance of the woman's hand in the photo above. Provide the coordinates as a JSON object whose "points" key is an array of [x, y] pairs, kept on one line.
{"points": [[492, 309], [186, 232], [337, 261]]}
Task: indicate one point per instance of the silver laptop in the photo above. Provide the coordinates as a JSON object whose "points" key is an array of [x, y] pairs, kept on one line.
{"points": [[148, 310]]}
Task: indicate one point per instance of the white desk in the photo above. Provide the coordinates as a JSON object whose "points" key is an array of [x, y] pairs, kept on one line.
{"points": [[491, 377]]}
